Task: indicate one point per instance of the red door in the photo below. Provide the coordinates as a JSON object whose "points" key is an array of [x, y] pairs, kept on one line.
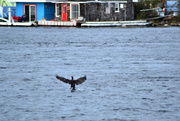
{"points": [[64, 12]]}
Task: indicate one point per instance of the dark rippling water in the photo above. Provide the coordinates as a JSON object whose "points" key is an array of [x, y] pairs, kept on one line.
{"points": [[133, 74]]}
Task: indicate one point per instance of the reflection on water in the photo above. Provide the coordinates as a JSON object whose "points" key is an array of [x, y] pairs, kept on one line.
{"points": [[132, 73]]}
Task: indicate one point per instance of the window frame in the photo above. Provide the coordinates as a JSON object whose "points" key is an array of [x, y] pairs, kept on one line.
{"points": [[57, 7], [117, 7], [35, 5], [121, 5], [71, 10]]}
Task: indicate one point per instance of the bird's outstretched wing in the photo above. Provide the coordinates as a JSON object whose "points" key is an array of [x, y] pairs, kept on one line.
{"points": [[63, 79], [80, 80]]}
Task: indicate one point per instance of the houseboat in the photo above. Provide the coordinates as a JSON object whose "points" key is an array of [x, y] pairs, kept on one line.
{"points": [[73, 12]]}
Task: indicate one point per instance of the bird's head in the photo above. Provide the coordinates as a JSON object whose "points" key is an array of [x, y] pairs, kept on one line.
{"points": [[72, 78]]}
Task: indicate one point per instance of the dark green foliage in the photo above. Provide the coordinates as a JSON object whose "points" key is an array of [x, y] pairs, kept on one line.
{"points": [[145, 4], [177, 18]]}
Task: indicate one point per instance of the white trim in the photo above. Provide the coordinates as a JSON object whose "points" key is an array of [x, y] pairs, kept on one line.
{"points": [[56, 10], [32, 0], [89, 2], [135, 1], [66, 1]]}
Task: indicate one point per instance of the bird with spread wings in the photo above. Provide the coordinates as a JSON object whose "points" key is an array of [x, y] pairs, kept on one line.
{"points": [[72, 81]]}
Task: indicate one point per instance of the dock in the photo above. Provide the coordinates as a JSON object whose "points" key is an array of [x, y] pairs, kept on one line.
{"points": [[115, 23], [10, 22], [25, 24], [57, 23], [19, 24], [76, 24], [5, 22]]}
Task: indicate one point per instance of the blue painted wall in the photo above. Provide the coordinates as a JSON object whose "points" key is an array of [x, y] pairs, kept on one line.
{"points": [[40, 11], [19, 9], [5, 13], [49, 11], [44, 10]]}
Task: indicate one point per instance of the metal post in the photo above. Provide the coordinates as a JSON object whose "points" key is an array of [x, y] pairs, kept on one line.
{"points": [[9, 16]]}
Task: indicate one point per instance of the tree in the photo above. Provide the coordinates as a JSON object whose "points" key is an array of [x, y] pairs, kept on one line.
{"points": [[178, 16], [146, 4]]}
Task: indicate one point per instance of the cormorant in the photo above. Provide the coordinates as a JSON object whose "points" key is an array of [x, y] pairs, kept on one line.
{"points": [[72, 81]]}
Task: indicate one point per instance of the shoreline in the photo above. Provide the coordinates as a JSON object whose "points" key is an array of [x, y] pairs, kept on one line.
{"points": [[121, 24]]}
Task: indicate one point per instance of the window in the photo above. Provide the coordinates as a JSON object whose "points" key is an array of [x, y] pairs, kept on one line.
{"points": [[30, 11], [33, 11], [108, 8], [116, 7], [74, 11], [57, 10], [121, 5]]}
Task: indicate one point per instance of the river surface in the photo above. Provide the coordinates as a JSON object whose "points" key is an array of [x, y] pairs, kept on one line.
{"points": [[133, 74]]}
